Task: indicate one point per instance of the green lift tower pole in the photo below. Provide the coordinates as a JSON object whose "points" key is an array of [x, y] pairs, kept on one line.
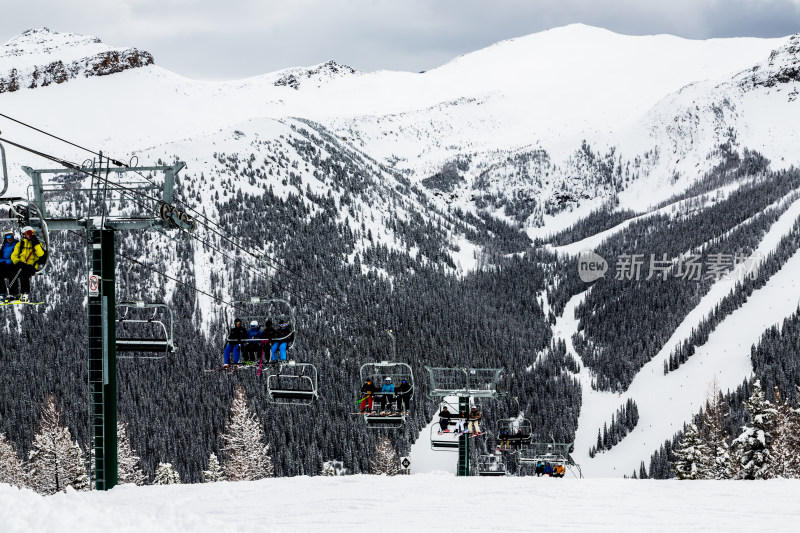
{"points": [[103, 357], [463, 440], [101, 224]]}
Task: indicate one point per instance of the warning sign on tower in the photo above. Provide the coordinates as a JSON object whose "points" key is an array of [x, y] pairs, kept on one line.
{"points": [[94, 285]]}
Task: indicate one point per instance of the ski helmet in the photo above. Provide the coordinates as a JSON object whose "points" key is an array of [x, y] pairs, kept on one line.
{"points": [[254, 323], [26, 229]]}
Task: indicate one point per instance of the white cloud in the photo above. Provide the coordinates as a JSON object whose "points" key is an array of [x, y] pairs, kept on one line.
{"points": [[234, 38]]}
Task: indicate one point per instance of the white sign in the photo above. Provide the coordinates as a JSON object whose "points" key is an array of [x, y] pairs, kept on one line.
{"points": [[94, 285]]}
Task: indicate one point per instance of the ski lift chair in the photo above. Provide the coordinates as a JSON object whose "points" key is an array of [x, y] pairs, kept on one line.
{"points": [[491, 465], [133, 330], [462, 382], [261, 309], [447, 440], [293, 384], [378, 372], [16, 213], [519, 432], [443, 441]]}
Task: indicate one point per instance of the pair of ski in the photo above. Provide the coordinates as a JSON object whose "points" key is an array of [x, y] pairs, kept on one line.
{"points": [[231, 368], [17, 301], [242, 366], [459, 433]]}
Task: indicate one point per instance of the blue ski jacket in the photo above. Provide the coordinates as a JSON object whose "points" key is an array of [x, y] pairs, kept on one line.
{"points": [[387, 388], [8, 249]]}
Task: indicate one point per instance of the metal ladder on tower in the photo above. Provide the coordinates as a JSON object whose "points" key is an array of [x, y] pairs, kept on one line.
{"points": [[463, 441], [96, 382]]}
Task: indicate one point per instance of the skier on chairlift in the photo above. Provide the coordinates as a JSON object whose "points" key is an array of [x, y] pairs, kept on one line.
{"points": [[233, 346], [444, 419], [461, 423], [403, 396], [504, 434], [266, 334], [387, 393], [25, 257], [251, 348], [367, 390], [7, 270], [283, 337], [474, 419]]}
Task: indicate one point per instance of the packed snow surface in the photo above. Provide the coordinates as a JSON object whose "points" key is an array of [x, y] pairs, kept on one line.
{"points": [[424, 502]]}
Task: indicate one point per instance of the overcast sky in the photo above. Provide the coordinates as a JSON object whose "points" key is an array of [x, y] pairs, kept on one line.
{"points": [[226, 39]]}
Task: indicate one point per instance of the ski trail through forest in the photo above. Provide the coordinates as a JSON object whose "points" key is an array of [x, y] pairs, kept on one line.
{"points": [[666, 402]]}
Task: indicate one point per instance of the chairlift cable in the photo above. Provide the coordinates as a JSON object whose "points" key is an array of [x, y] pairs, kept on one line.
{"points": [[124, 189], [171, 278], [119, 163], [58, 138]]}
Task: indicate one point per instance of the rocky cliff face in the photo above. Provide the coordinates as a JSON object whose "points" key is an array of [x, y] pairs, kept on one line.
{"points": [[327, 71], [43, 57], [783, 67]]}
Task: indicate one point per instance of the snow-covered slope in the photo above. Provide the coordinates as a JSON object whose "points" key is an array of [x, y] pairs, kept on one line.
{"points": [[418, 503], [667, 401]]}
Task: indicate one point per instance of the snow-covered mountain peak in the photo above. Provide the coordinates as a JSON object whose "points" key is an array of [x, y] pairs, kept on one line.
{"points": [[316, 75], [783, 66], [41, 57], [41, 45]]}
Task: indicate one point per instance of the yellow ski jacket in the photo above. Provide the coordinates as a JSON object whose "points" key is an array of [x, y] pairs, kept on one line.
{"points": [[26, 252]]}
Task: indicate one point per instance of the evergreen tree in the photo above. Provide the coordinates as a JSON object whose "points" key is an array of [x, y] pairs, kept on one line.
{"points": [[12, 471], [129, 469], [333, 468], [166, 475], [214, 472], [385, 460], [691, 458], [755, 441], [715, 436], [55, 461], [247, 457], [787, 438]]}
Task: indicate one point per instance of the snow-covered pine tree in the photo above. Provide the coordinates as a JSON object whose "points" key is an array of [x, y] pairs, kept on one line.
{"points": [[55, 461], [129, 469], [12, 471], [166, 475], [714, 436], [691, 457], [787, 437], [333, 468], [247, 457], [385, 460], [755, 440], [214, 472]]}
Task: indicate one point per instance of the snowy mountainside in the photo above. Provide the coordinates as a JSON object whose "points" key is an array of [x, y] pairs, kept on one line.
{"points": [[754, 109], [40, 57], [552, 93], [386, 190]]}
